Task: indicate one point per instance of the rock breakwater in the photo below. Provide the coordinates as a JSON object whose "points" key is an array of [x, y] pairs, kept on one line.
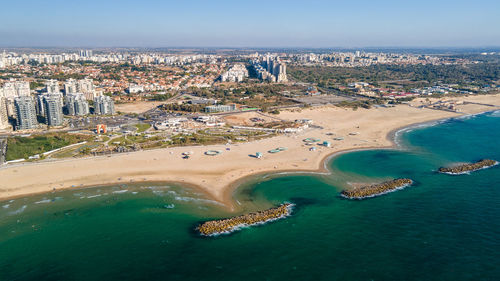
{"points": [[470, 167], [215, 227], [376, 189]]}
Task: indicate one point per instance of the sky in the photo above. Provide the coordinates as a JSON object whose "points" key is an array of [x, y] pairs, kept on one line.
{"points": [[257, 23]]}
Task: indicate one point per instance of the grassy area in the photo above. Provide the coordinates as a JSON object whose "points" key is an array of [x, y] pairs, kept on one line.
{"points": [[23, 147], [73, 151], [142, 127]]}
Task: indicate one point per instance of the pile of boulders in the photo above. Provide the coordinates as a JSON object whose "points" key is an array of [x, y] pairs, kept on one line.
{"points": [[231, 224], [376, 189], [485, 163]]}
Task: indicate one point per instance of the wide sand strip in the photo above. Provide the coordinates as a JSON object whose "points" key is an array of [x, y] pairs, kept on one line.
{"points": [[363, 128]]}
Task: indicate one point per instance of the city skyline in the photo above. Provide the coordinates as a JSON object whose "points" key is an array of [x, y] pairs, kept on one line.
{"points": [[320, 24]]}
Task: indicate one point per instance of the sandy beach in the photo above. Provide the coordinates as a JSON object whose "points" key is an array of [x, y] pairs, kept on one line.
{"points": [[218, 175]]}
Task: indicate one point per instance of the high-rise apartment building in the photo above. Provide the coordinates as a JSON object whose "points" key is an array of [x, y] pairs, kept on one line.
{"points": [[40, 104], [25, 113], [70, 86], [104, 105], [270, 69], [86, 53], [13, 89], [4, 118], [85, 86], [53, 110], [76, 104], [52, 86]]}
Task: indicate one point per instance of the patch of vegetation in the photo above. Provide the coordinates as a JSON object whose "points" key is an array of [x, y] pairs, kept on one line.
{"points": [[24, 147], [160, 97], [35, 85], [480, 74], [142, 127]]}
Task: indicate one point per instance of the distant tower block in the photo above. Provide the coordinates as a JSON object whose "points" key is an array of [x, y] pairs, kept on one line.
{"points": [[101, 129]]}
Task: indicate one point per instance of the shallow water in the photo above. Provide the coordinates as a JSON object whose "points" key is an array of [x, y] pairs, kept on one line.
{"points": [[441, 228]]}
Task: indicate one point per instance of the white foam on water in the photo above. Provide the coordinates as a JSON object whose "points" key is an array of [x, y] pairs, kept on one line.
{"points": [[158, 192], [156, 187], [18, 211], [411, 128], [6, 206], [196, 200], [44, 201], [94, 196], [120, 191], [495, 113]]}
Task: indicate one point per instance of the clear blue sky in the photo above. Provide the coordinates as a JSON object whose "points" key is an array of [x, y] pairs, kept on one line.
{"points": [[239, 23]]}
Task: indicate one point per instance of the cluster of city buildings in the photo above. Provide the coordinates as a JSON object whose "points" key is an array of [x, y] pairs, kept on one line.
{"points": [[9, 92], [236, 73], [27, 108], [358, 58], [12, 58], [269, 68], [120, 76]]}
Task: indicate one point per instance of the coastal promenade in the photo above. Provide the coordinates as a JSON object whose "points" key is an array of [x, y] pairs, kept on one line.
{"points": [[218, 175]]}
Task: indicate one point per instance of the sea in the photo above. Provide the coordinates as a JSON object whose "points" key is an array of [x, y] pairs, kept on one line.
{"points": [[443, 227]]}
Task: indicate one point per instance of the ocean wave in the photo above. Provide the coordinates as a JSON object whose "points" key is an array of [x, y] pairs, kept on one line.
{"points": [[6, 206], [200, 200], [156, 187], [159, 192], [120, 191], [44, 201], [18, 211], [495, 114], [94, 196], [411, 128]]}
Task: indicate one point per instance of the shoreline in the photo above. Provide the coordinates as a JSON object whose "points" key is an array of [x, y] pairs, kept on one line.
{"points": [[324, 170], [238, 176]]}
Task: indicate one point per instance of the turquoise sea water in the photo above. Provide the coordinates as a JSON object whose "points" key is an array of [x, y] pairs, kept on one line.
{"points": [[441, 228]]}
